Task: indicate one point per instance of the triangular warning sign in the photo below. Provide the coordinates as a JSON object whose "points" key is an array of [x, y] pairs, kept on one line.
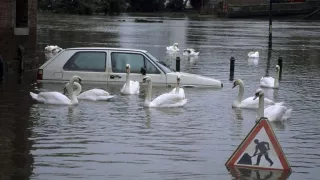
{"points": [[260, 150]]}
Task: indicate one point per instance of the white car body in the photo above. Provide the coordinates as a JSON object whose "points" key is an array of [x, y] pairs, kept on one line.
{"points": [[107, 66]]}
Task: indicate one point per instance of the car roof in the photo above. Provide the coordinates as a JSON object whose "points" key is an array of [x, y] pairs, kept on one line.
{"points": [[106, 48]]}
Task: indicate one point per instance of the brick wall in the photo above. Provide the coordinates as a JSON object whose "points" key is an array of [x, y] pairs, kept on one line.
{"points": [[10, 42], [5, 14]]}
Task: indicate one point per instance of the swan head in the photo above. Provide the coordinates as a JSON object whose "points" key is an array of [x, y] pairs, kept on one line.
{"points": [[77, 79], [146, 79], [175, 44], [237, 82], [178, 78], [258, 93], [277, 68], [127, 68]]}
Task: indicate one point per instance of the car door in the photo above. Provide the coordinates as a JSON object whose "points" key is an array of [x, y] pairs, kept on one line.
{"points": [[89, 65], [137, 60]]}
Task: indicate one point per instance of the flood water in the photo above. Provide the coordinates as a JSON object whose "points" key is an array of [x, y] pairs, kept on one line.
{"points": [[122, 140]]}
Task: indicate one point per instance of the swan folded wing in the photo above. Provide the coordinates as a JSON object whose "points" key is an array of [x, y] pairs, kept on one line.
{"points": [[96, 92], [181, 92], [275, 112], [103, 98], [268, 101], [54, 98], [167, 99], [134, 87], [267, 81], [250, 103]]}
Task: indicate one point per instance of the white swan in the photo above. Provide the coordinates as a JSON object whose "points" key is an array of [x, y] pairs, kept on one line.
{"points": [[276, 112], [270, 82], [57, 97], [248, 103], [190, 52], [130, 87], [92, 94], [164, 100], [173, 48], [253, 54], [51, 48], [178, 89]]}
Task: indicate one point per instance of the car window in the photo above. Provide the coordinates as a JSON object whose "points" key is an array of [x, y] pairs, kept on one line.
{"points": [[151, 69], [119, 61], [136, 61], [164, 68], [87, 61]]}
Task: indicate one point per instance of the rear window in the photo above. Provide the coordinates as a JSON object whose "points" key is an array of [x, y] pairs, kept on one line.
{"points": [[87, 61]]}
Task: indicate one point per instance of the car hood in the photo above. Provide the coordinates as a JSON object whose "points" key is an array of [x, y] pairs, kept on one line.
{"points": [[193, 80]]}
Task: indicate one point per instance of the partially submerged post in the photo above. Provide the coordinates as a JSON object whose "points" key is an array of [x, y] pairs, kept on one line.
{"points": [[178, 64], [280, 64], [232, 60], [20, 58], [270, 24], [1, 69]]}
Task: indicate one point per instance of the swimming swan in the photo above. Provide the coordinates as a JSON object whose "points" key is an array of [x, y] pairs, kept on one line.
{"points": [[57, 97], [92, 94], [248, 103], [164, 100], [178, 89], [130, 87], [270, 82], [190, 52], [276, 112], [253, 54], [173, 48]]}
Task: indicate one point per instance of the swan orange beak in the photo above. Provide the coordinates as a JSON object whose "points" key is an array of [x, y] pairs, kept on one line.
{"points": [[234, 85], [256, 96]]}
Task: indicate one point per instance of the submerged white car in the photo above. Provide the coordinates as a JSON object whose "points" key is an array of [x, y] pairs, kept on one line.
{"points": [[108, 66]]}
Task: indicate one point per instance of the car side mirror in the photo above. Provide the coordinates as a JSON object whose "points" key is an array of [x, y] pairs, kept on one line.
{"points": [[143, 71]]}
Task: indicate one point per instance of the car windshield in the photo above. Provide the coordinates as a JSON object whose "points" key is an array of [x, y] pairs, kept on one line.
{"points": [[164, 68]]}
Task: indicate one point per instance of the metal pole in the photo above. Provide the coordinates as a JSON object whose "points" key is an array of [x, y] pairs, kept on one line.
{"points": [[270, 24], [232, 60]]}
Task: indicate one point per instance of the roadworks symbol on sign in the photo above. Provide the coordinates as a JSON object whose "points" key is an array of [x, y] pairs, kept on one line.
{"points": [[260, 150]]}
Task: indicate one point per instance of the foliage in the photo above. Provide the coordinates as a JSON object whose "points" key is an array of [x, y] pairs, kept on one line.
{"points": [[82, 6], [114, 6], [197, 4], [146, 5], [175, 5]]}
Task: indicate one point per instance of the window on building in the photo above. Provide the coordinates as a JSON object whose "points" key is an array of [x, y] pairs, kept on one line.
{"points": [[87, 61], [21, 13]]}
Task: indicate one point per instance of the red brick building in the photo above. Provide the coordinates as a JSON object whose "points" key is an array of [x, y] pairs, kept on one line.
{"points": [[18, 25]]}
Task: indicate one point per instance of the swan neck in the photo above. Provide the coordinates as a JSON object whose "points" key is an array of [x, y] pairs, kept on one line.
{"points": [[78, 89], [177, 88], [241, 91], [148, 98], [128, 79], [73, 96], [261, 106]]}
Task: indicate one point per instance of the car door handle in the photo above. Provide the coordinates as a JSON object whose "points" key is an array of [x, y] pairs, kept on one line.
{"points": [[113, 76]]}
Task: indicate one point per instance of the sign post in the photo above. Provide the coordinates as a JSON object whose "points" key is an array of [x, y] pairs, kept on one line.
{"points": [[260, 150]]}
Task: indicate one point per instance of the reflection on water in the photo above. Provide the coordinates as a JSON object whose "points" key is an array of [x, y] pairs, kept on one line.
{"points": [[120, 139], [257, 174]]}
